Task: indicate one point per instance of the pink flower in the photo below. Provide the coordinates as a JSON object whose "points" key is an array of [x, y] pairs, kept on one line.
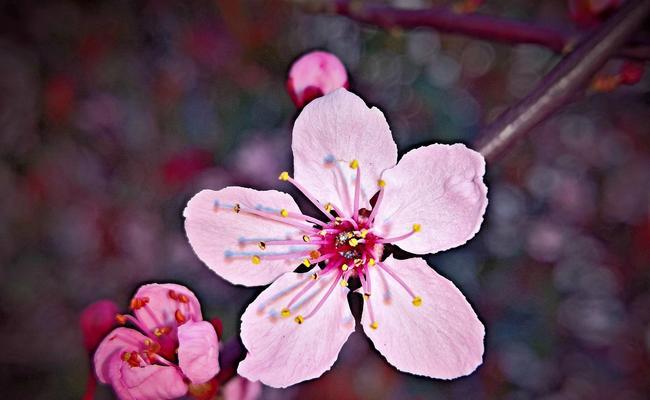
{"points": [[313, 75], [172, 347], [345, 162]]}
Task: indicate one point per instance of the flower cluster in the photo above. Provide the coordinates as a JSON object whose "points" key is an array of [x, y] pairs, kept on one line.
{"points": [[345, 163], [170, 351]]}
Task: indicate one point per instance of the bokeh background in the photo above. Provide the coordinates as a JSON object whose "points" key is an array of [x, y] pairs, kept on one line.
{"points": [[114, 113]]}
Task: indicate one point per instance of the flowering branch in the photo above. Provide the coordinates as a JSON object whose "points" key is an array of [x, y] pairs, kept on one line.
{"points": [[473, 25], [568, 76]]}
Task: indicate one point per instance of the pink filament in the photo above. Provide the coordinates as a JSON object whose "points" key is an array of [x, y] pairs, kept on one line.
{"points": [[396, 238], [396, 277], [329, 292], [357, 194], [311, 198], [365, 284]]}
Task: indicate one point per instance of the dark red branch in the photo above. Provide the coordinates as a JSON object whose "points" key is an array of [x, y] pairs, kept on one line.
{"points": [[570, 75], [473, 25]]}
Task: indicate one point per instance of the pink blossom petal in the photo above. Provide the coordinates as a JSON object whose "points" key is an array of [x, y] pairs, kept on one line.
{"points": [[282, 352], [440, 187], [198, 351], [152, 382], [107, 355], [239, 388], [442, 338], [315, 74], [339, 126], [216, 233], [163, 301]]}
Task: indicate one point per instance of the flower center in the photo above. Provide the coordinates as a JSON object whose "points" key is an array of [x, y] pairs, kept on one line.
{"points": [[345, 245]]}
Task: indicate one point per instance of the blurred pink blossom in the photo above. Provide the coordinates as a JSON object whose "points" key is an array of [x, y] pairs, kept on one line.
{"points": [[345, 163], [239, 388], [171, 348], [313, 75], [591, 12]]}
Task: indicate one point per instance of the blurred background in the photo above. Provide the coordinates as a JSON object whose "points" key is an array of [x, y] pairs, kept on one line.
{"points": [[114, 113]]}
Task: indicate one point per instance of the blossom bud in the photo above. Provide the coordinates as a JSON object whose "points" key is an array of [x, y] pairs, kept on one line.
{"points": [[96, 321], [314, 75]]}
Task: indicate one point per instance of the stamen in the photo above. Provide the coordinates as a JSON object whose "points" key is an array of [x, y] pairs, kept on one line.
{"points": [[302, 292], [357, 189], [137, 324], [256, 260], [322, 300], [286, 177], [290, 242], [367, 288], [416, 228], [297, 220], [416, 299], [180, 317], [299, 319], [375, 208], [353, 242]]}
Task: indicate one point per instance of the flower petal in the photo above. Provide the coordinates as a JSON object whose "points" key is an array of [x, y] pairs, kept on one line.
{"points": [[226, 241], [152, 382], [340, 126], [107, 355], [442, 338], [440, 187], [198, 351], [163, 301], [282, 352], [239, 388]]}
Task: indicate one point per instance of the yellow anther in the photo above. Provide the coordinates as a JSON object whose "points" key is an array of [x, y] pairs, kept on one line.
{"points": [[344, 267], [314, 254], [329, 207], [344, 283], [353, 242], [285, 312], [364, 233], [256, 260], [236, 208], [314, 276], [284, 176], [357, 262], [417, 301], [366, 296], [322, 232], [261, 245], [306, 262], [306, 238], [371, 262], [374, 325], [417, 227], [284, 212], [381, 183], [299, 319], [354, 164], [148, 342]]}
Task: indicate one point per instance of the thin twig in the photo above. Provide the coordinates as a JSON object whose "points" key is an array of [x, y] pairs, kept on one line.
{"points": [[471, 24], [569, 75]]}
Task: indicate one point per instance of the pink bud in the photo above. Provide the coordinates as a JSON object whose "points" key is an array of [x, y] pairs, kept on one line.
{"points": [[96, 321], [313, 75]]}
